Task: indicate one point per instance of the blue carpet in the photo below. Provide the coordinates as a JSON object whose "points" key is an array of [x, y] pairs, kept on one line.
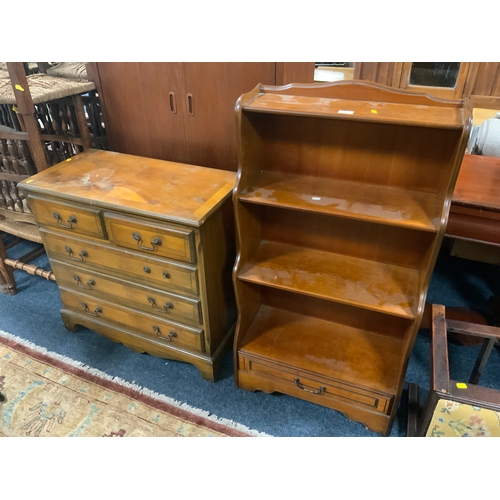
{"points": [[33, 314]]}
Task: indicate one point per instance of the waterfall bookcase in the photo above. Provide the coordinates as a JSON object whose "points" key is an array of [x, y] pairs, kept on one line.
{"points": [[341, 201]]}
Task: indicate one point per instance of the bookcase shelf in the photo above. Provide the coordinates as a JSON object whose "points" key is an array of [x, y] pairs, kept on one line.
{"points": [[277, 336], [341, 201], [341, 278], [382, 204], [375, 111]]}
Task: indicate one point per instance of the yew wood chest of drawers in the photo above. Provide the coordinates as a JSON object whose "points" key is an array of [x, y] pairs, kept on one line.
{"points": [[142, 251]]}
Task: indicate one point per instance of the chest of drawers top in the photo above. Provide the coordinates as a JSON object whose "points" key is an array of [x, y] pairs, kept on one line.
{"points": [[164, 190]]}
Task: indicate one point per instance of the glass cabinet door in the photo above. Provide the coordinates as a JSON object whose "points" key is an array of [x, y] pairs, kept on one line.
{"points": [[441, 79]]}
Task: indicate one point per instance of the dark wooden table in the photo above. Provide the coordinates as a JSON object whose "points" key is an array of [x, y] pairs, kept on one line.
{"points": [[475, 207]]}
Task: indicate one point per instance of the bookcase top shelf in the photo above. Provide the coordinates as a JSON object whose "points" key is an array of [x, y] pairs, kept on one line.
{"points": [[372, 111]]}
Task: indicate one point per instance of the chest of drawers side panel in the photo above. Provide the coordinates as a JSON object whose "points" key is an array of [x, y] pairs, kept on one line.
{"points": [[216, 255]]}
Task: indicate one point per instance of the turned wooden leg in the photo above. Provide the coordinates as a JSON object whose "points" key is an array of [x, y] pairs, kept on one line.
{"points": [[7, 281]]}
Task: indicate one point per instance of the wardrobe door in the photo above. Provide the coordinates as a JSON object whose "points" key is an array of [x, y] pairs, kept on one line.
{"points": [[210, 92], [141, 101]]}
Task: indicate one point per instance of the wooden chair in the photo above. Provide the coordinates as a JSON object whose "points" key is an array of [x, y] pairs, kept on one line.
{"points": [[42, 122], [455, 408]]}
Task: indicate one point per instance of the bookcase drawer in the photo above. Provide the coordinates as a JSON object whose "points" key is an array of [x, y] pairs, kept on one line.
{"points": [[276, 377]]}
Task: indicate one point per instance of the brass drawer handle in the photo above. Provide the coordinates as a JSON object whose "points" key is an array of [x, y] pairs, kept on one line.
{"points": [[82, 254], [170, 337], [88, 286], [96, 312], [166, 275], [165, 309], [71, 220], [155, 242], [307, 389]]}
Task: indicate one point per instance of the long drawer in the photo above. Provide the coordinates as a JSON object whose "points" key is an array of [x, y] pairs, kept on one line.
{"points": [[168, 305], [326, 392], [168, 332], [168, 275]]}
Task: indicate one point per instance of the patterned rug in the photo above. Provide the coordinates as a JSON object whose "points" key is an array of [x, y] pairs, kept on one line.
{"points": [[44, 394]]}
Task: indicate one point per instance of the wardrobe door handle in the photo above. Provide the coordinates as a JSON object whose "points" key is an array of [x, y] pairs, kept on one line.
{"points": [[190, 102], [171, 101]]}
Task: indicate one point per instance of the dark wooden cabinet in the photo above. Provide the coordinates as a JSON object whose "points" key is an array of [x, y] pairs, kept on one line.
{"points": [[181, 112], [341, 202], [478, 80]]}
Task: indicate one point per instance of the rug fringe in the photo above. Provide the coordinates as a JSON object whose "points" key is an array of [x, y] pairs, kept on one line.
{"points": [[130, 385]]}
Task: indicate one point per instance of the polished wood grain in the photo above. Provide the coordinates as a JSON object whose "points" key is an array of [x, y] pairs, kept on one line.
{"points": [[328, 349], [352, 199], [75, 219], [164, 240], [339, 219], [475, 208], [148, 113], [294, 72], [169, 305], [143, 251], [146, 186], [357, 110], [175, 334], [377, 154], [342, 278], [477, 183], [175, 275]]}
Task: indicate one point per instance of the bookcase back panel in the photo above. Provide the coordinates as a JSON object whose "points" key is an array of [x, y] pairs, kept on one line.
{"points": [[344, 314], [375, 153], [379, 242]]}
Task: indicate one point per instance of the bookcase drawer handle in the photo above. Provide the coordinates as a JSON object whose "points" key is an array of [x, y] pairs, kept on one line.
{"points": [[165, 309], [82, 254], [155, 242], [170, 336], [96, 312], [309, 389], [71, 221], [88, 286]]}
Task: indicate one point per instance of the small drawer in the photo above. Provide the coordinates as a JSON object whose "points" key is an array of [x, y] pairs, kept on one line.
{"points": [[167, 332], [68, 217], [169, 306], [314, 388], [164, 240], [160, 273]]}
